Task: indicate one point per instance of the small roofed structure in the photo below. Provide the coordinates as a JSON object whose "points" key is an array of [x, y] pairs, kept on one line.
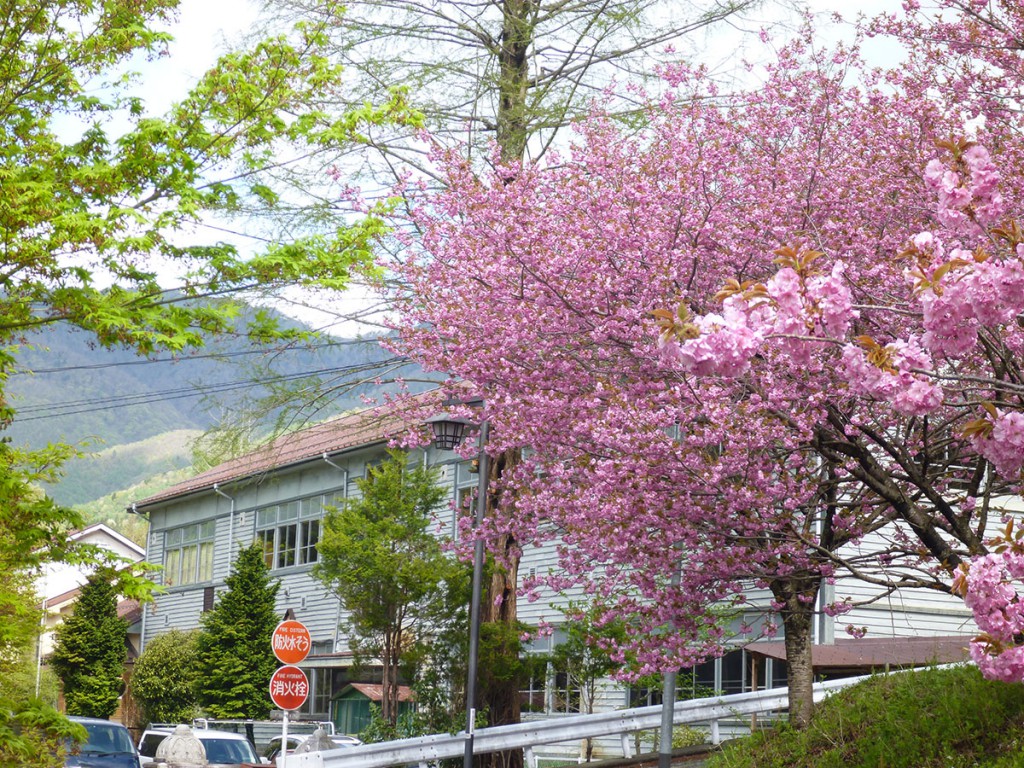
{"points": [[352, 705], [853, 656]]}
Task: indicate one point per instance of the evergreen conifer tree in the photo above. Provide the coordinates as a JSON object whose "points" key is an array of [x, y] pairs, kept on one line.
{"points": [[235, 656], [91, 650], [379, 555]]}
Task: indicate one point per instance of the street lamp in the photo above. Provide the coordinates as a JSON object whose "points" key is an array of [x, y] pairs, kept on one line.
{"points": [[448, 434]]}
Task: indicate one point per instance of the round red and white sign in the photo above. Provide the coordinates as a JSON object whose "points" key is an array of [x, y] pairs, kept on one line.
{"points": [[289, 688], [290, 641]]}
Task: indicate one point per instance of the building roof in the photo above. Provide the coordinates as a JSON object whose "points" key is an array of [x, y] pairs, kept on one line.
{"points": [[59, 601], [375, 692], [102, 530], [365, 427], [875, 652], [129, 610]]}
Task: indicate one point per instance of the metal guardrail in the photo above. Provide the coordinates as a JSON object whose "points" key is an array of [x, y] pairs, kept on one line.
{"points": [[526, 736]]}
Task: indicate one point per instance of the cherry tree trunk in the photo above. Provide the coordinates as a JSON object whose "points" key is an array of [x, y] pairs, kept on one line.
{"points": [[499, 691], [798, 596]]}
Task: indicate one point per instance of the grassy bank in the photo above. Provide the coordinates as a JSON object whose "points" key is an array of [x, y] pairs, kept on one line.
{"points": [[948, 718]]}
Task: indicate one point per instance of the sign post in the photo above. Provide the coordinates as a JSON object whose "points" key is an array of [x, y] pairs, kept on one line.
{"points": [[289, 686]]}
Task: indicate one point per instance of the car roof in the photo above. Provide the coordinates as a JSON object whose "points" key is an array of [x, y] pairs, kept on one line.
{"points": [[94, 721], [213, 733], [201, 733]]}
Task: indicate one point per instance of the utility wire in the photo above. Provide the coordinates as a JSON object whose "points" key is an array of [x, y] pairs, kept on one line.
{"points": [[96, 405], [188, 358]]}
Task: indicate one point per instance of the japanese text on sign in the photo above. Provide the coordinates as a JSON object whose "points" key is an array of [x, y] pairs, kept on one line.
{"points": [[290, 642]]}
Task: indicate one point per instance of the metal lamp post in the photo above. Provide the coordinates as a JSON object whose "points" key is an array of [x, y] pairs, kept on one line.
{"points": [[448, 434]]}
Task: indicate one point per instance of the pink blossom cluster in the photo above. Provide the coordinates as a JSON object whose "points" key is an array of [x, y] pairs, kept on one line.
{"points": [[1004, 444], [969, 197], [971, 295], [819, 306], [903, 382], [794, 310], [724, 346], [993, 595]]}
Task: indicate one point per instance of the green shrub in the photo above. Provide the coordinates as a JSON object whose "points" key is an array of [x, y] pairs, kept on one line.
{"points": [[165, 677], [684, 736]]}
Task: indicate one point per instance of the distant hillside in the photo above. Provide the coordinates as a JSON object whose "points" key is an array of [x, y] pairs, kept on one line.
{"points": [[112, 509], [127, 465], [100, 398]]}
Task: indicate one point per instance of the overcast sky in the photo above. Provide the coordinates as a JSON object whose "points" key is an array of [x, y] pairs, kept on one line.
{"points": [[208, 28]]}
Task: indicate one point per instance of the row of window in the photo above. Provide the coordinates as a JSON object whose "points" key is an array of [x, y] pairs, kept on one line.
{"points": [[188, 554], [550, 691], [287, 532]]}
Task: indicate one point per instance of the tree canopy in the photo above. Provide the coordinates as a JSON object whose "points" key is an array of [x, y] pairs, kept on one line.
{"points": [[165, 678], [105, 206], [381, 557], [91, 650], [596, 305]]}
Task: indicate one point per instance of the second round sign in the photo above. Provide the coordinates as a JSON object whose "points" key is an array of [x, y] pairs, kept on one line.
{"points": [[289, 688]]}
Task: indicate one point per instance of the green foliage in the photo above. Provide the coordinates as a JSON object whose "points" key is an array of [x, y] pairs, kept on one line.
{"points": [[928, 719], [684, 736], [436, 663], [91, 650], [166, 677], [235, 657], [34, 734], [502, 661], [585, 654], [110, 200], [379, 555]]}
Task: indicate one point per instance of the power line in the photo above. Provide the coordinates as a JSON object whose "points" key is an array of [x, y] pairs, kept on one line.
{"points": [[189, 358], [96, 405]]}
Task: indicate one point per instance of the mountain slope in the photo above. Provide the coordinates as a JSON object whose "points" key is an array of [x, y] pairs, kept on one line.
{"points": [[69, 390]]}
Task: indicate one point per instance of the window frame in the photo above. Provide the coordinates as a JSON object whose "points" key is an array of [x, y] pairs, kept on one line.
{"points": [[290, 530], [189, 548]]}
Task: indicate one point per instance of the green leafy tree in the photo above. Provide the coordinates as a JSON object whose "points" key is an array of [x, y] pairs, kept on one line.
{"points": [[235, 656], [166, 677], [379, 555], [91, 650], [35, 735], [98, 195]]}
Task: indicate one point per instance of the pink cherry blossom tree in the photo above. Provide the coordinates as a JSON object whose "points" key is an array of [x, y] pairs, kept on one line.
{"points": [[734, 437], [941, 361]]}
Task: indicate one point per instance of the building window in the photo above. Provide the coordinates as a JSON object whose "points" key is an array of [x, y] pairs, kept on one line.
{"points": [[188, 554], [547, 690], [318, 703], [565, 698], [691, 683], [533, 694], [289, 532]]}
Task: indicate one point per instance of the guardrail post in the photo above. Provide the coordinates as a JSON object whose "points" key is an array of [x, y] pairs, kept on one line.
{"points": [[716, 737], [529, 757], [627, 745]]}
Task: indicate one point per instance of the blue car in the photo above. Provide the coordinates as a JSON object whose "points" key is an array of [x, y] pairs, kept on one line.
{"points": [[109, 746]]}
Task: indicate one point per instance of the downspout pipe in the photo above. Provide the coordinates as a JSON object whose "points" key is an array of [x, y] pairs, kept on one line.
{"points": [[337, 618], [133, 509]]}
